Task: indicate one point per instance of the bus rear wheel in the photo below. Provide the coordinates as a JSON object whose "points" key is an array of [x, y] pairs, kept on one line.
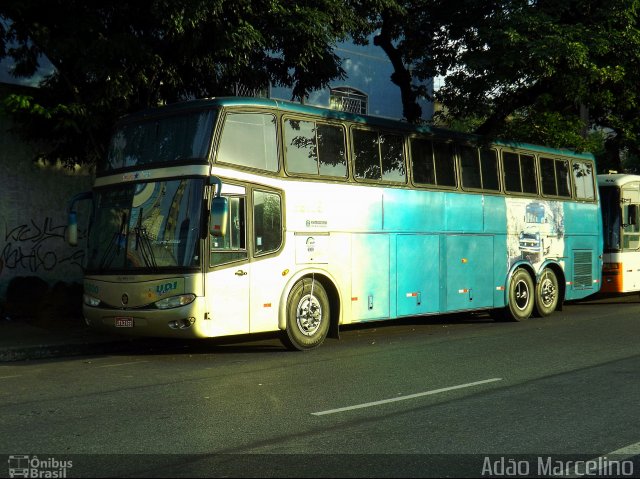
{"points": [[547, 293], [308, 316], [521, 291]]}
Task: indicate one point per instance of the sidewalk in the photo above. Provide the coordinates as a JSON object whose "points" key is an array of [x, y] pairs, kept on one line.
{"points": [[21, 340]]}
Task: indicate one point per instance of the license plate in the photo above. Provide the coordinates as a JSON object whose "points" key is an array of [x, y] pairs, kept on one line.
{"points": [[124, 322]]}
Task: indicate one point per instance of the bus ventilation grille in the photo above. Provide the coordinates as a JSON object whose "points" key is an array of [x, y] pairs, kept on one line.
{"points": [[582, 270]]}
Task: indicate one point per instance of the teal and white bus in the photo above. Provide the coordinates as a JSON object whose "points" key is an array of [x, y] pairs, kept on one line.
{"points": [[230, 216]]}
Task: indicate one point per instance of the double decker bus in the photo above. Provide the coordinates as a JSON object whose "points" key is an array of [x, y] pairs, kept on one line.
{"points": [[230, 216], [620, 200]]}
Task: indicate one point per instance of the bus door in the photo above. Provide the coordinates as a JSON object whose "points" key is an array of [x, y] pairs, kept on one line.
{"points": [[227, 284], [268, 268]]}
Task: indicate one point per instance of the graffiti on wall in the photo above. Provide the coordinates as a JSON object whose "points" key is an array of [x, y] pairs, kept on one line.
{"points": [[39, 246]]}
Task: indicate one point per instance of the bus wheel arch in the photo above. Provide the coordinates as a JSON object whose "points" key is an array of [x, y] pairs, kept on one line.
{"points": [[311, 313]]}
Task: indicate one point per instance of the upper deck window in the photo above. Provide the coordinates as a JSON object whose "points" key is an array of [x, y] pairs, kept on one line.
{"points": [[433, 162], [583, 180], [249, 139], [160, 140], [479, 168], [315, 148], [555, 177], [378, 156], [519, 173]]}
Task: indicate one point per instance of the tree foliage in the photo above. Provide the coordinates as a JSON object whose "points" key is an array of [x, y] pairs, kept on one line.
{"points": [[111, 58], [561, 73], [544, 71]]}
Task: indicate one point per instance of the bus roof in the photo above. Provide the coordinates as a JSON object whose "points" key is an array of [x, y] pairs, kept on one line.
{"points": [[293, 107], [616, 179]]}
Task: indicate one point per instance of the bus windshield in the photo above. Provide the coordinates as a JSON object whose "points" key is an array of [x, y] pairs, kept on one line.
{"points": [[148, 226], [163, 140]]}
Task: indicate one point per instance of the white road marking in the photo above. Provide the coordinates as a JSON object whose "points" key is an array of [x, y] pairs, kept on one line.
{"points": [[404, 398], [121, 364], [8, 377], [627, 451]]}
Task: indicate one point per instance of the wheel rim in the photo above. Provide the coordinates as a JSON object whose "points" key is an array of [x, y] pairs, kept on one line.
{"points": [[548, 292], [521, 291], [308, 315]]}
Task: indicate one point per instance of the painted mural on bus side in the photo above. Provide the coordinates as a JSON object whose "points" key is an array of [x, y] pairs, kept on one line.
{"points": [[536, 230]]}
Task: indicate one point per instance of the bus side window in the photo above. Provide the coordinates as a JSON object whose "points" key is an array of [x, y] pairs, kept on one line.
{"points": [[470, 166], [445, 164], [314, 148], [519, 173], [232, 246], [511, 168], [489, 167], [583, 180], [528, 172], [267, 219], [632, 216], [249, 139], [378, 156], [391, 148], [366, 155], [631, 238], [548, 176], [422, 161], [301, 147], [564, 178], [332, 153]]}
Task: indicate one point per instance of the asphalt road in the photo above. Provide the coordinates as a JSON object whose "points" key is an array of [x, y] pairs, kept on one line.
{"points": [[457, 395]]}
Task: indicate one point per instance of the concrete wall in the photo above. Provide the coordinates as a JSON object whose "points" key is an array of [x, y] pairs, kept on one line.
{"points": [[33, 215]]}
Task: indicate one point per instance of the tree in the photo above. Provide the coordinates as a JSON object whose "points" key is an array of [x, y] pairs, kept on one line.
{"points": [[544, 71], [111, 58]]}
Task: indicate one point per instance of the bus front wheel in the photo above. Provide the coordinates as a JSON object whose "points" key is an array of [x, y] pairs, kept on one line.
{"points": [[308, 316], [521, 300], [547, 293]]}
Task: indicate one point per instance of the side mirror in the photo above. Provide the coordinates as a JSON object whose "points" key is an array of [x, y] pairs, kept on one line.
{"points": [[219, 216], [72, 222], [72, 229]]}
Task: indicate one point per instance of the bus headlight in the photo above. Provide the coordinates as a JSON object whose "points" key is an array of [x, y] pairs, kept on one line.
{"points": [[90, 300], [175, 301]]}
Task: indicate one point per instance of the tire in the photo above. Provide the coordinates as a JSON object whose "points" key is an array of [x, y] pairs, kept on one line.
{"points": [[547, 293], [521, 297], [308, 316]]}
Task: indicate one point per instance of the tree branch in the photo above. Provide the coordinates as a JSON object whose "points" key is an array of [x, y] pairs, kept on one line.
{"points": [[400, 76], [508, 104]]}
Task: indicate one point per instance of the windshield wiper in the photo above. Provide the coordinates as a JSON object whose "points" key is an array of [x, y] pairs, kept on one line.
{"points": [[116, 245], [143, 244]]}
